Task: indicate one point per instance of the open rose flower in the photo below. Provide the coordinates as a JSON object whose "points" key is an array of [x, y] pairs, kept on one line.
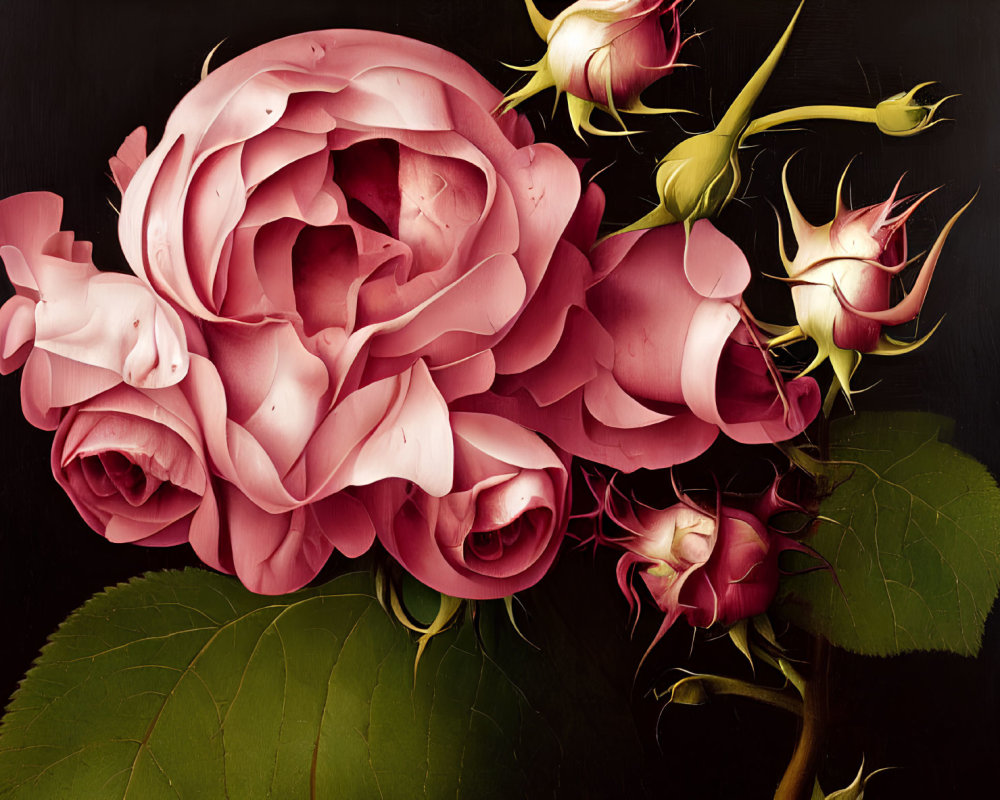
{"points": [[709, 565], [353, 233], [133, 463], [603, 54], [656, 358], [841, 278], [499, 529]]}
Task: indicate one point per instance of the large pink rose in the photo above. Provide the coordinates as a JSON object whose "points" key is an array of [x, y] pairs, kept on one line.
{"points": [[351, 238], [498, 530], [354, 232], [656, 358]]}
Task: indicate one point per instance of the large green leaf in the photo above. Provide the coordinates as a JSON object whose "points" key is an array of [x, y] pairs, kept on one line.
{"points": [[183, 684], [913, 536]]}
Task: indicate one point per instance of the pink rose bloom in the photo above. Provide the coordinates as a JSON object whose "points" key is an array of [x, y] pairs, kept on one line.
{"points": [[498, 530], [351, 235], [595, 45], [841, 277], [76, 331], [709, 566], [133, 463], [656, 358]]}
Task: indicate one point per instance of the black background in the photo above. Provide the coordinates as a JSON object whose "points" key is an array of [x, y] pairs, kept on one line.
{"points": [[76, 78]]}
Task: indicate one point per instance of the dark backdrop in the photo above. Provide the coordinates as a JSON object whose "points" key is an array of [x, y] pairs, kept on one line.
{"points": [[75, 78]]}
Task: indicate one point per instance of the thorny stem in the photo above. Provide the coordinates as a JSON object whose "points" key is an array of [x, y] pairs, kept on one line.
{"points": [[800, 774]]}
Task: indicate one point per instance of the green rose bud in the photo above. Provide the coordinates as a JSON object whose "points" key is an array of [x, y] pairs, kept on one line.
{"points": [[899, 115]]}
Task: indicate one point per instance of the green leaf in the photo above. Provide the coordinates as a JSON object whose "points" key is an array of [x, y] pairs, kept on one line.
{"points": [[183, 684], [913, 537]]}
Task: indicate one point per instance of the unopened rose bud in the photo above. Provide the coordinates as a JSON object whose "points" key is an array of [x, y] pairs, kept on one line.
{"points": [[841, 277], [710, 566], [699, 176], [900, 115], [603, 54]]}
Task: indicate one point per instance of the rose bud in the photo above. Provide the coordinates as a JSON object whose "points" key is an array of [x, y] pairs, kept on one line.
{"points": [[841, 276], [699, 176], [603, 54], [498, 530], [710, 566], [899, 115]]}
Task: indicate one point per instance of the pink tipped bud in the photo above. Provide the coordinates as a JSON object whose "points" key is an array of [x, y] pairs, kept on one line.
{"points": [[841, 278], [603, 54]]}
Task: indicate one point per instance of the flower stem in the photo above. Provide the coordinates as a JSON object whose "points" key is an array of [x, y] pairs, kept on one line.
{"points": [[803, 113], [800, 775], [719, 685]]}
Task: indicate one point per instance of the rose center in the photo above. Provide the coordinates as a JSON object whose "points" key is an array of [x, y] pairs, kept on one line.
{"points": [[489, 545], [113, 472]]}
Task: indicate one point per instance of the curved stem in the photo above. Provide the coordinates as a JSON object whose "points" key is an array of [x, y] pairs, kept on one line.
{"points": [[803, 113], [719, 685], [800, 775]]}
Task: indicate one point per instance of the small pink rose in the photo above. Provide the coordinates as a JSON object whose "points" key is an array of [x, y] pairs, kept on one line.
{"points": [[133, 463], [656, 358], [499, 529]]}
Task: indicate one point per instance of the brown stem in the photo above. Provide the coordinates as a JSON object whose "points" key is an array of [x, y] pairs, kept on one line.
{"points": [[800, 775]]}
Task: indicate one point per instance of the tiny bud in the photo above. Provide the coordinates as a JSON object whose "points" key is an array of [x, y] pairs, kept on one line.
{"points": [[899, 115]]}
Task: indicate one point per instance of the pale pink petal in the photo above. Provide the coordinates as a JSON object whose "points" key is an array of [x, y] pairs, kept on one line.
{"points": [[646, 304], [274, 386], [503, 440], [130, 155], [414, 441], [114, 322], [51, 383], [462, 378], [714, 264], [17, 332], [26, 222]]}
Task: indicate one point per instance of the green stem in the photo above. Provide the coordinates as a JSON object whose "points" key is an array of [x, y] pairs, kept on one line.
{"points": [[762, 694], [800, 775], [803, 113]]}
